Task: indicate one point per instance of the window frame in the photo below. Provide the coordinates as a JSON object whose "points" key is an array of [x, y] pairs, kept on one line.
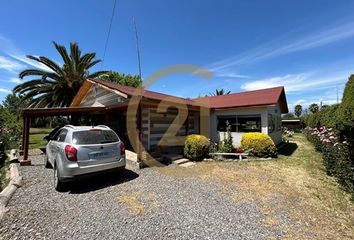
{"points": [[237, 124]]}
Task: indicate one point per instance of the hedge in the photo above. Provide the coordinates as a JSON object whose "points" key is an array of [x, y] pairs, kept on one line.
{"points": [[331, 130], [337, 157]]}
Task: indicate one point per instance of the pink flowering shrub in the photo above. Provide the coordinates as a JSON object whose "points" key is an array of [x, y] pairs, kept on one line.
{"points": [[336, 154]]}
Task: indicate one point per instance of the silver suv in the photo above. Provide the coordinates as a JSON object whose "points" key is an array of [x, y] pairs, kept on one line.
{"points": [[76, 150]]}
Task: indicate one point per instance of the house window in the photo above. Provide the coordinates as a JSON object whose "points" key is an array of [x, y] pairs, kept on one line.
{"points": [[240, 123], [221, 125], [249, 123]]}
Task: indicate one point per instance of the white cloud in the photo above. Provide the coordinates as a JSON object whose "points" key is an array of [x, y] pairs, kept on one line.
{"points": [[300, 101], [3, 90], [7, 47], [16, 80], [10, 65], [278, 47], [24, 59], [299, 82], [229, 74]]}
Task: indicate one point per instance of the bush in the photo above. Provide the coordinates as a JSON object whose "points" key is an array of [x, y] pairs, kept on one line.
{"points": [[336, 155], [196, 147], [225, 146], [10, 129], [346, 110], [258, 144]]}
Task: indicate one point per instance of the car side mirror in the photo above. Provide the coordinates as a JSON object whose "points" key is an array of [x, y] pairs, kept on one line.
{"points": [[47, 138]]}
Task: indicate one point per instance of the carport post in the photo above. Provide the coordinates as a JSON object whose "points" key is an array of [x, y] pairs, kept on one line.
{"points": [[138, 138]]}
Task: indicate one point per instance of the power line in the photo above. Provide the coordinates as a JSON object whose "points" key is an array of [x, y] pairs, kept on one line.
{"points": [[108, 33]]}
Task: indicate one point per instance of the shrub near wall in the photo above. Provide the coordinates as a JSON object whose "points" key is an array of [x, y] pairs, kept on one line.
{"points": [[259, 144], [196, 147]]}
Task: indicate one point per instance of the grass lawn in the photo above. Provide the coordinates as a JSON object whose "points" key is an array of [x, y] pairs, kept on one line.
{"points": [[293, 187], [36, 137]]}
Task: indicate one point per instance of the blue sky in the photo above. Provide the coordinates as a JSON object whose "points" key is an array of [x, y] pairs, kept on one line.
{"points": [[307, 46]]}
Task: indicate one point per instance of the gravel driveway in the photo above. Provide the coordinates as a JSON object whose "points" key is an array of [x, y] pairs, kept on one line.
{"points": [[146, 204]]}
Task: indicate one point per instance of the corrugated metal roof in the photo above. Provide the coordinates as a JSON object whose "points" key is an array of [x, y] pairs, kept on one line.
{"points": [[260, 97]]}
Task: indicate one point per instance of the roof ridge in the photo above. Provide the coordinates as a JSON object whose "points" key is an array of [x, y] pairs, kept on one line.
{"points": [[107, 83]]}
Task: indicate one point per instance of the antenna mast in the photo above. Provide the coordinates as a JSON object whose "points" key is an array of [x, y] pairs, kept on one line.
{"points": [[137, 47]]}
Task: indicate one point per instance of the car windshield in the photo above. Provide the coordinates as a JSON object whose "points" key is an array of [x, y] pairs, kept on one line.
{"points": [[94, 136]]}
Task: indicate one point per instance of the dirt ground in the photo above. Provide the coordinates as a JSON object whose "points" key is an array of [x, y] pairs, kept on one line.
{"points": [[293, 187]]}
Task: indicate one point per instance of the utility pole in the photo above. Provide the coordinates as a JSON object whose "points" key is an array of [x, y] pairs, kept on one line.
{"points": [[137, 47]]}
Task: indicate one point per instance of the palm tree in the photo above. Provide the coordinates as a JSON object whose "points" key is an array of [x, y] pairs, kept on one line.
{"points": [[298, 110], [57, 86], [219, 92], [314, 108]]}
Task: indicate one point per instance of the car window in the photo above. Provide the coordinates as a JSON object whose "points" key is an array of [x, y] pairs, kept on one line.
{"points": [[54, 132], [62, 135], [94, 136], [54, 137]]}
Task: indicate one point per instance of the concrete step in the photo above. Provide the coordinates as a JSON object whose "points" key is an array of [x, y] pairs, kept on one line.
{"points": [[155, 154], [180, 161], [172, 157], [187, 164]]}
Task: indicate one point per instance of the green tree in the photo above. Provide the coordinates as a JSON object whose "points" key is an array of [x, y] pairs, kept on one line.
{"points": [[10, 128], [314, 108], [346, 109], [219, 92], [57, 86], [324, 106], [14, 103], [121, 78], [298, 110]]}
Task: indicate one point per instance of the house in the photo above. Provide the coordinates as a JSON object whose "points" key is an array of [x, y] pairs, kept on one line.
{"points": [[149, 120], [253, 111]]}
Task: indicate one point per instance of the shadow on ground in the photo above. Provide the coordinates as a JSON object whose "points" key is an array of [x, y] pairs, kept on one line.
{"points": [[288, 149], [99, 181]]}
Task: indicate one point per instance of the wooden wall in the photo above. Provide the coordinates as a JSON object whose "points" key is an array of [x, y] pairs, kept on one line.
{"points": [[156, 124], [101, 95]]}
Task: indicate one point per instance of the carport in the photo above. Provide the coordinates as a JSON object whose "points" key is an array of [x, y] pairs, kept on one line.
{"points": [[30, 113]]}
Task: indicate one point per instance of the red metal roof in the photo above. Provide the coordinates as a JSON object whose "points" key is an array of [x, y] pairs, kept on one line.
{"points": [[269, 96], [261, 97]]}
